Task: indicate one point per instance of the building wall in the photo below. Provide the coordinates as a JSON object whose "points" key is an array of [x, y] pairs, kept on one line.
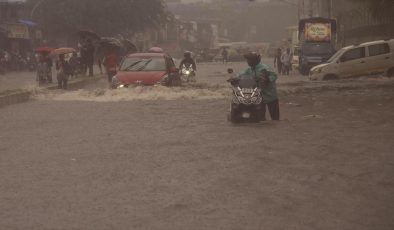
{"points": [[356, 23]]}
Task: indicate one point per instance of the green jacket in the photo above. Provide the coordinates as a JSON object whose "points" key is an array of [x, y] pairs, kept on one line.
{"points": [[268, 90]]}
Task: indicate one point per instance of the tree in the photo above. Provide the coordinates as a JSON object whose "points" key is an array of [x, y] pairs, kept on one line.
{"points": [[380, 9], [107, 18]]}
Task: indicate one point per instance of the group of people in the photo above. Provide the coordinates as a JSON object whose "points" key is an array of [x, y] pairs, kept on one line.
{"points": [[283, 61], [81, 62], [13, 61]]}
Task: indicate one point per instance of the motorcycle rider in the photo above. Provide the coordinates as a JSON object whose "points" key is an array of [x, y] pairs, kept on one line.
{"points": [[264, 75], [188, 60]]}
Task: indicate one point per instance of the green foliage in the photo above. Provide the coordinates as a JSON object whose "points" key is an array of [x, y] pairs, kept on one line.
{"points": [[106, 17]]}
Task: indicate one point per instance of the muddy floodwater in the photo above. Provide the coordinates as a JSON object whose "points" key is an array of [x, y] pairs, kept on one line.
{"points": [[160, 158]]}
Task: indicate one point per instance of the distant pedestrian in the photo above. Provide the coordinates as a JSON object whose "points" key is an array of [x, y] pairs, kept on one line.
{"points": [[111, 64], [225, 55], [277, 61], [63, 71], [286, 60], [87, 53], [49, 62], [42, 71], [74, 65], [100, 64]]}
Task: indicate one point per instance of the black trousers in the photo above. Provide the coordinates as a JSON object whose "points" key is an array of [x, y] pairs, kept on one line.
{"points": [[273, 108]]}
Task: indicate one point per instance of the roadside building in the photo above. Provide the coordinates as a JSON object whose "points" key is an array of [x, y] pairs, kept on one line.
{"points": [[17, 35], [357, 23]]}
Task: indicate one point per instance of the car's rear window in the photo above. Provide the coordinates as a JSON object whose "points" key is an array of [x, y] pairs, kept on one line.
{"points": [[135, 64], [379, 49]]}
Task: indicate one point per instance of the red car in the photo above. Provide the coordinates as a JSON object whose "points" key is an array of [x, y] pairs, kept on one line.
{"points": [[147, 69]]}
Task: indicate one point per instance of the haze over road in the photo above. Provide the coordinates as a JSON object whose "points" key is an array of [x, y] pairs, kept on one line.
{"points": [[95, 159]]}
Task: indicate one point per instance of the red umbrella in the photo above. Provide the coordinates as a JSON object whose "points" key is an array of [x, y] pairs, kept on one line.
{"points": [[60, 51], [44, 50]]}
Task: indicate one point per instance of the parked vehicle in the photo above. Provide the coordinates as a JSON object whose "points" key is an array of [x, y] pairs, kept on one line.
{"points": [[246, 101], [375, 57], [147, 69], [187, 73], [317, 37]]}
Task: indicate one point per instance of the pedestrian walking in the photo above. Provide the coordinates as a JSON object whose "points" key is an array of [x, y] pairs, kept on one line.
{"points": [[63, 71], [49, 62], [87, 57], [111, 63], [225, 55], [42, 71], [74, 65], [277, 61], [286, 60]]}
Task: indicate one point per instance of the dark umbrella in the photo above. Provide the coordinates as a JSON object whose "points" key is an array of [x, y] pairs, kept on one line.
{"points": [[107, 46], [111, 42], [88, 34], [129, 46]]}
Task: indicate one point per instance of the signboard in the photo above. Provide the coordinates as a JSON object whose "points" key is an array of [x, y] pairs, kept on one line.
{"points": [[318, 32], [18, 31]]}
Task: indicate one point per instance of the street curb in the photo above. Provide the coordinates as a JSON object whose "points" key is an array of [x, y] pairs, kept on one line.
{"points": [[25, 96], [77, 84], [14, 98]]}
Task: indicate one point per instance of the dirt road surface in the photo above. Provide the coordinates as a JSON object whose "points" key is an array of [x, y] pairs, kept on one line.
{"points": [[162, 158]]}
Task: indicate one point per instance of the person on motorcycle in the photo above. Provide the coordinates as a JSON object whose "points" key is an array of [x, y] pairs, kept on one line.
{"points": [[267, 78], [188, 60]]}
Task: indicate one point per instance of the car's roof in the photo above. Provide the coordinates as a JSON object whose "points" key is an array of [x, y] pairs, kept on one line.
{"points": [[369, 43], [147, 55], [372, 43]]}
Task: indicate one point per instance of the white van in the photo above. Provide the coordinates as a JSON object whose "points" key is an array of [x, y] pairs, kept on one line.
{"points": [[358, 60]]}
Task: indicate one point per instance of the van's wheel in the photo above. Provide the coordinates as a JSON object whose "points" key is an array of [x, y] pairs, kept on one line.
{"points": [[390, 73], [330, 77]]}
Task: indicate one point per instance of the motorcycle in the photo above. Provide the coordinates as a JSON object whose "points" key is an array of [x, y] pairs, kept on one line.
{"points": [[187, 73], [246, 103]]}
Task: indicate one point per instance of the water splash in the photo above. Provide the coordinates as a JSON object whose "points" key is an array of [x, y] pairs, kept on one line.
{"points": [[140, 93]]}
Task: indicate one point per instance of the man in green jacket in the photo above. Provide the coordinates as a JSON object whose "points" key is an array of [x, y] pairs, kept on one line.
{"points": [[267, 78]]}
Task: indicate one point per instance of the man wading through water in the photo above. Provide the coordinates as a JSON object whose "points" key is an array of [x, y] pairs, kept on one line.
{"points": [[267, 78]]}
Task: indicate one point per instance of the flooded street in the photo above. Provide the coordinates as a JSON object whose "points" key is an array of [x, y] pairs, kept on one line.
{"points": [[162, 158]]}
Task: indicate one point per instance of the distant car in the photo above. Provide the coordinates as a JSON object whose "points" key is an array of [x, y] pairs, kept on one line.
{"points": [[147, 69], [369, 58]]}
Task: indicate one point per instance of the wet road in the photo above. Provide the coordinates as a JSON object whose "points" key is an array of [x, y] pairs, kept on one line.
{"points": [[157, 159]]}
